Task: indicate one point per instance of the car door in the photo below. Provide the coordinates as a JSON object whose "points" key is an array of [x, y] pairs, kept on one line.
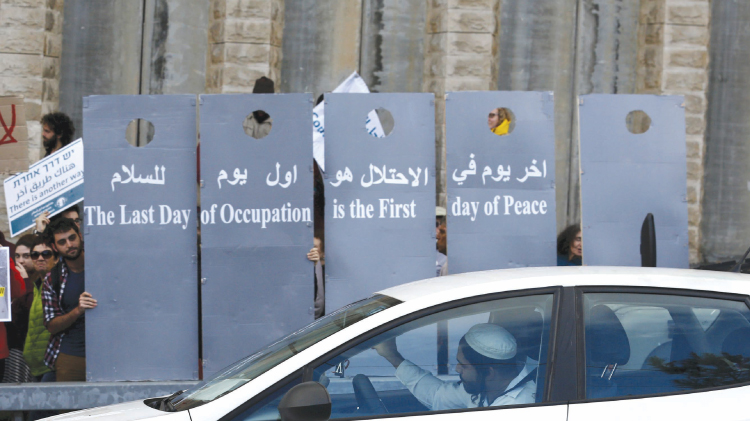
{"points": [[657, 353], [364, 383]]}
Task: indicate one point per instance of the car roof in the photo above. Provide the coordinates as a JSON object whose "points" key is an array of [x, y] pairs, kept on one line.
{"points": [[502, 280]]}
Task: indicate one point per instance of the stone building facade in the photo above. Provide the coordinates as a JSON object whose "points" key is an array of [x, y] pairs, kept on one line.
{"points": [[571, 47]]}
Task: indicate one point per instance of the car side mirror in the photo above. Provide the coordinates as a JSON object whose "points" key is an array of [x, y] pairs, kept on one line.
{"points": [[308, 401]]}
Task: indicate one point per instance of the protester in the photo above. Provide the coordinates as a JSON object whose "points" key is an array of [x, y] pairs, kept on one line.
{"points": [[499, 121], [57, 132], [24, 263], [317, 256], [258, 124], [65, 301], [570, 246], [41, 221], [17, 289]]}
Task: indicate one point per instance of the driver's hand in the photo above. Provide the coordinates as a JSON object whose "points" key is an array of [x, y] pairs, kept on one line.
{"points": [[386, 348]]}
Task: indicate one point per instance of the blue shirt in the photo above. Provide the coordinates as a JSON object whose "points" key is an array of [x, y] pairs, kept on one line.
{"points": [[74, 342], [562, 260]]}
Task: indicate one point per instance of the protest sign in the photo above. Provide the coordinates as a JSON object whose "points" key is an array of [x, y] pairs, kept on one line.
{"points": [[5, 313], [53, 184], [141, 235], [256, 225], [380, 195], [625, 176], [14, 136], [501, 188], [352, 84]]}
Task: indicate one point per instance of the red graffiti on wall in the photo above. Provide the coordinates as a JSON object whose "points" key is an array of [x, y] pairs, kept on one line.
{"points": [[9, 129]]}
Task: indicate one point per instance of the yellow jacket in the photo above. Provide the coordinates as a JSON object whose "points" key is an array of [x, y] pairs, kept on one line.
{"points": [[502, 128]]}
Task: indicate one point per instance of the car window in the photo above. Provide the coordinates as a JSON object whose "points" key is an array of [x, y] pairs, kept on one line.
{"points": [[487, 354], [641, 344], [267, 408], [245, 370]]}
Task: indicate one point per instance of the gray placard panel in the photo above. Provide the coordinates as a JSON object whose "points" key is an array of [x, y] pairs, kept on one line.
{"points": [[257, 228], [500, 217], [393, 241], [141, 234], [625, 176]]}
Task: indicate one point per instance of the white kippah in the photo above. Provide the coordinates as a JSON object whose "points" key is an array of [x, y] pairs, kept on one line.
{"points": [[492, 341]]}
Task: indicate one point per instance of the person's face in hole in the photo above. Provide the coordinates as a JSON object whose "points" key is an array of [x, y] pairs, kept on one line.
{"points": [[576, 247], [493, 120], [23, 258]]}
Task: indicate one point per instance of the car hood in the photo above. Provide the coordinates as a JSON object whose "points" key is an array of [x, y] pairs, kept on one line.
{"points": [[129, 411]]}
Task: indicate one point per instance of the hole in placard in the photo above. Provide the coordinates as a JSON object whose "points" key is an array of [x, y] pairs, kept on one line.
{"points": [[379, 122], [140, 132], [501, 121], [638, 122], [257, 124]]}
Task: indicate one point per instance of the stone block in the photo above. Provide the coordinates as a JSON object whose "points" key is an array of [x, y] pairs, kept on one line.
{"points": [[434, 65], [455, 84], [52, 45], [695, 104], [470, 21], [242, 77], [692, 194], [33, 109], [694, 170], [22, 17], [213, 78], [436, 43], [277, 32], [693, 234], [652, 11], [653, 34], [216, 32], [678, 82], [50, 90], [249, 30], [246, 54], [248, 9], [23, 41], [694, 218], [51, 68], [695, 125], [24, 3], [25, 65], [463, 43], [697, 59], [274, 59], [693, 13], [694, 147], [485, 5], [217, 9], [469, 66], [687, 35], [436, 21]]}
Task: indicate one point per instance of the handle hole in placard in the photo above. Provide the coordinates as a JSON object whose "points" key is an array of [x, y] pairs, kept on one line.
{"points": [[638, 122], [140, 132], [501, 121], [258, 124], [379, 123]]}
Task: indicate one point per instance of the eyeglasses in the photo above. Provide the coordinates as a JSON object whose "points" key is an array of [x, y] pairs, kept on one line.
{"points": [[46, 254], [493, 115]]}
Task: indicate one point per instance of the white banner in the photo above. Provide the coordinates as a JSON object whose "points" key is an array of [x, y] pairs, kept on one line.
{"points": [[352, 84], [53, 184]]}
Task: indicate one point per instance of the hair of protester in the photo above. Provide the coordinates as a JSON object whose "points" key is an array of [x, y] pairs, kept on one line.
{"points": [[72, 208], [565, 239], [58, 226], [26, 241], [42, 240], [61, 125], [502, 114], [482, 366]]}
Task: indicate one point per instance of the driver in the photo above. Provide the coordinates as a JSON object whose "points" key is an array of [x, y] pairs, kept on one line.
{"points": [[490, 375]]}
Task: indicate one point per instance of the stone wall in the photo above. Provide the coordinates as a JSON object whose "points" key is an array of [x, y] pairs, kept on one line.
{"points": [[460, 55], [673, 44], [244, 43], [30, 53]]}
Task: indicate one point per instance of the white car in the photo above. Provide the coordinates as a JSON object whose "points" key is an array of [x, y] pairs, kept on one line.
{"points": [[590, 343]]}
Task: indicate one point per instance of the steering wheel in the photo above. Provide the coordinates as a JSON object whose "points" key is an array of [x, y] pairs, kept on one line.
{"points": [[367, 398]]}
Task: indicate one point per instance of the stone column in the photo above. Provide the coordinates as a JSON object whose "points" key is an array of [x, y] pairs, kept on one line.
{"points": [[460, 55], [244, 43], [30, 46], [673, 39]]}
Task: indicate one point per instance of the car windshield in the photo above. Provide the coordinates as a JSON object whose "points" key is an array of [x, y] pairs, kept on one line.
{"points": [[256, 364]]}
